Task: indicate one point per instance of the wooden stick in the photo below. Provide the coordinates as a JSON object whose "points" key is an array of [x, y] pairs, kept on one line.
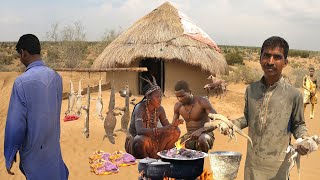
{"points": [[132, 69]]}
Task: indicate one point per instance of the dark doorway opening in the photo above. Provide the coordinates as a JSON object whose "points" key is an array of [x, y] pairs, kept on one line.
{"points": [[156, 68]]}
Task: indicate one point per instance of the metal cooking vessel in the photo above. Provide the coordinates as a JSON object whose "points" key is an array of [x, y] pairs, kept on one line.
{"points": [[158, 170], [185, 168], [143, 164], [225, 164]]}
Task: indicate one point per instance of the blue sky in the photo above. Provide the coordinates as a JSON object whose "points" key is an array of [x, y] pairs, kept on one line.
{"points": [[228, 22]]}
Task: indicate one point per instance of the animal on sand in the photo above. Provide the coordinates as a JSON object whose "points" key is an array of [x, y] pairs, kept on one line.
{"points": [[218, 86]]}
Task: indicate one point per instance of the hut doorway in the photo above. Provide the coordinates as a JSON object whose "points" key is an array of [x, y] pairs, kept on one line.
{"points": [[156, 68]]}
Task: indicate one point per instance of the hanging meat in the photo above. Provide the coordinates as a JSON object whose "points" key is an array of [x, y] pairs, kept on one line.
{"points": [[126, 111], [71, 100], [110, 120], [79, 99], [99, 104]]}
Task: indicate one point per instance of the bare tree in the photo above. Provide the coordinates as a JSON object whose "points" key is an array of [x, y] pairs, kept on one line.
{"points": [[73, 44], [69, 44], [53, 52], [107, 37], [53, 34]]}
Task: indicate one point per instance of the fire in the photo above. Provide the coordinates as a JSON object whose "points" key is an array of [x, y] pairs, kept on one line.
{"points": [[179, 145], [206, 175], [141, 175], [168, 178]]}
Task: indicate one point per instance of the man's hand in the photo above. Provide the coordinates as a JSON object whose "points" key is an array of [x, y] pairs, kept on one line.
{"points": [[9, 169], [168, 129], [313, 93], [177, 122], [302, 150], [226, 130], [196, 134]]}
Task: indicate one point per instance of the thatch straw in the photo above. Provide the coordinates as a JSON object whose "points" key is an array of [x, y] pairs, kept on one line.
{"points": [[160, 34]]}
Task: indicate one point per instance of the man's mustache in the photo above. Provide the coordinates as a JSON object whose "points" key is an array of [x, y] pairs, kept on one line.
{"points": [[269, 66]]}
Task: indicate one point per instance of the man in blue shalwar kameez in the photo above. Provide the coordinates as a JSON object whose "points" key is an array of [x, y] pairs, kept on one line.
{"points": [[33, 121]]}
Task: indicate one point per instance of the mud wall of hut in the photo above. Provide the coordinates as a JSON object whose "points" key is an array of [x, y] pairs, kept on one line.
{"points": [[120, 79], [176, 71]]}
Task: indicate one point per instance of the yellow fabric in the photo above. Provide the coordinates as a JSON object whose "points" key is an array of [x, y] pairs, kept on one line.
{"points": [[309, 87]]}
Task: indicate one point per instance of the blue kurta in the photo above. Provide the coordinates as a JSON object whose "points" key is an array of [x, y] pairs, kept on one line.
{"points": [[33, 124]]}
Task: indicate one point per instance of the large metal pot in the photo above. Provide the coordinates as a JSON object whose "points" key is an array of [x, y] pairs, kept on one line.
{"points": [[185, 168], [143, 164], [158, 170]]}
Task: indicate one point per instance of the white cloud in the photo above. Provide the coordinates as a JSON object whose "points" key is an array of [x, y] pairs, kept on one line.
{"points": [[295, 9]]}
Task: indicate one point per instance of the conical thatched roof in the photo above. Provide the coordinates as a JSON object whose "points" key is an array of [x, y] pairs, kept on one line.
{"points": [[160, 34]]}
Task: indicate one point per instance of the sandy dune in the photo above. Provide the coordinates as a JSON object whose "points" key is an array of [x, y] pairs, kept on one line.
{"points": [[76, 149]]}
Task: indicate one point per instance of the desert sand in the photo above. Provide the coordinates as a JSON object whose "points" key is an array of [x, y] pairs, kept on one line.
{"points": [[76, 148]]}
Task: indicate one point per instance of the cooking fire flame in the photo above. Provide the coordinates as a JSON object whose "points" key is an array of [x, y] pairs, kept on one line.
{"points": [[179, 145]]}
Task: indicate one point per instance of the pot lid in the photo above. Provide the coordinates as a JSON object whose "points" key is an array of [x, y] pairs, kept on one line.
{"points": [[147, 160]]}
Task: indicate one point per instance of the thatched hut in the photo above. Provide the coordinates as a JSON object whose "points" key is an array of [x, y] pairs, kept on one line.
{"points": [[170, 46]]}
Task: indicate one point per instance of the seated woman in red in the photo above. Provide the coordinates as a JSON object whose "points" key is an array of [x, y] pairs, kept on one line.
{"points": [[145, 138]]}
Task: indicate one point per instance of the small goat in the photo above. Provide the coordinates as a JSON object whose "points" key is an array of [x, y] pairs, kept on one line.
{"points": [[218, 86]]}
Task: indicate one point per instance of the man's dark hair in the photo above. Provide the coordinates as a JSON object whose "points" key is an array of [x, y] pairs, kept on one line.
{"points": [[182, 85], [30, 43], [273, 42]]}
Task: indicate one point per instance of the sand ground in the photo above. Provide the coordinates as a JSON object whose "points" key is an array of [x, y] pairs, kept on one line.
{"points": [[76, 148]]}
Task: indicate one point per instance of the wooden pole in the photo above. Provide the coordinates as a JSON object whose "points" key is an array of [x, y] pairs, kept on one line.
{"points": [[87, 110], [133, 69]]}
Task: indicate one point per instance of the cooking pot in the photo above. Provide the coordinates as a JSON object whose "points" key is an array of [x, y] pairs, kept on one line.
{"points": [[158, 170], [185, 168], [143, 164]]}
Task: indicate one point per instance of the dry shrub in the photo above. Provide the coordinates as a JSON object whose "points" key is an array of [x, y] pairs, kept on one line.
{"points": [[295, 64], [71, 44], [234, 58], [298, 74], [244, 74], [299, 53], [6, 59], [4, 69], [53, 55]]}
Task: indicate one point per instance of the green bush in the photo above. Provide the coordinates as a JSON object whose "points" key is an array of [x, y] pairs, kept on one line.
{"points": [[234, 58], [299, 53]]}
